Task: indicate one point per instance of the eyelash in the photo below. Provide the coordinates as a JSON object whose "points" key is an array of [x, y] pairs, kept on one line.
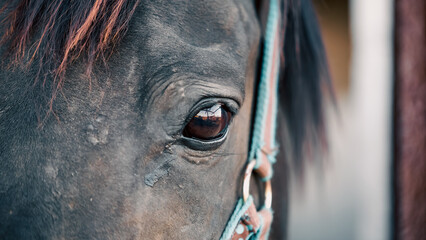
{"points": [[232, 106]]}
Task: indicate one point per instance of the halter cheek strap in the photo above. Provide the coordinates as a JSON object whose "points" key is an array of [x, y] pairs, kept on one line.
{"points": [[246, 221]]}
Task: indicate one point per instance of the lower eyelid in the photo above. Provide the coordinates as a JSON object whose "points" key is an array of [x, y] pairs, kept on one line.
{"points": [[205, 145]]}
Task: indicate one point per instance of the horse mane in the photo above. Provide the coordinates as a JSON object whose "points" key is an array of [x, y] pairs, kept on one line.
{"points": [[303, 80], [57, 32]]}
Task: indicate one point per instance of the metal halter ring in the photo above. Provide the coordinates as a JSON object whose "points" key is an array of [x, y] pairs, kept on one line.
{"points": [[246, 185]]}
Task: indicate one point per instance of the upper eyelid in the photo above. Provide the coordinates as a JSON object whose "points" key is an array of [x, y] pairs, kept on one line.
{"points": [[207, 87], [160, 83], [208, 102]]}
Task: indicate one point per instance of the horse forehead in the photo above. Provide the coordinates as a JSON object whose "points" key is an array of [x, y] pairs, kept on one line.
{"points": [[201, 23], [194, 16], [204, 37]]}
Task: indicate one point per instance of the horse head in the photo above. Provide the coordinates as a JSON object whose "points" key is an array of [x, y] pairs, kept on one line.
{"points": [[127, 119]]}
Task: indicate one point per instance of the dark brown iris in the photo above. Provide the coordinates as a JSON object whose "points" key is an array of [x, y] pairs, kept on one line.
{"points": [[209, 123]]}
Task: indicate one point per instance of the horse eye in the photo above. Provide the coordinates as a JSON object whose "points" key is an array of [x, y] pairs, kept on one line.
{"points": [[209, 123]]}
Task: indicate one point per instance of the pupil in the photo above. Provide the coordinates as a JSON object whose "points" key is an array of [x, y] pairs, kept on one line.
{"points": [[209, 123]]}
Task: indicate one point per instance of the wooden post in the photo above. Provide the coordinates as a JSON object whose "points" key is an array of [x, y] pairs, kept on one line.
{"points": [[410, 120]]}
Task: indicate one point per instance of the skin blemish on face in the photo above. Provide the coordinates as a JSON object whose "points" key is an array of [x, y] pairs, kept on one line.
{"points": [[100, 118], [132, 68], [97, 132], [51, 171], [182, 92], [93, 140], [153, 177], [162, 169]]}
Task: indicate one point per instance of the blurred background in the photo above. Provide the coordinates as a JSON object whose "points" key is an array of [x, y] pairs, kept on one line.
{"points": [[348, 195]]}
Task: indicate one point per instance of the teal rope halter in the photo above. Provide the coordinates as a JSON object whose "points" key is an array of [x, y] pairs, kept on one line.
{"points": [[263, 144]]}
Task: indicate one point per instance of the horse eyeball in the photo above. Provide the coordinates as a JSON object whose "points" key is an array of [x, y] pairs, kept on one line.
{"points": [[209, 123]]}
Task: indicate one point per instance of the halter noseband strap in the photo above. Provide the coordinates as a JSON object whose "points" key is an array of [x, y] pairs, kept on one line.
{"points": [[246, 221]]}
